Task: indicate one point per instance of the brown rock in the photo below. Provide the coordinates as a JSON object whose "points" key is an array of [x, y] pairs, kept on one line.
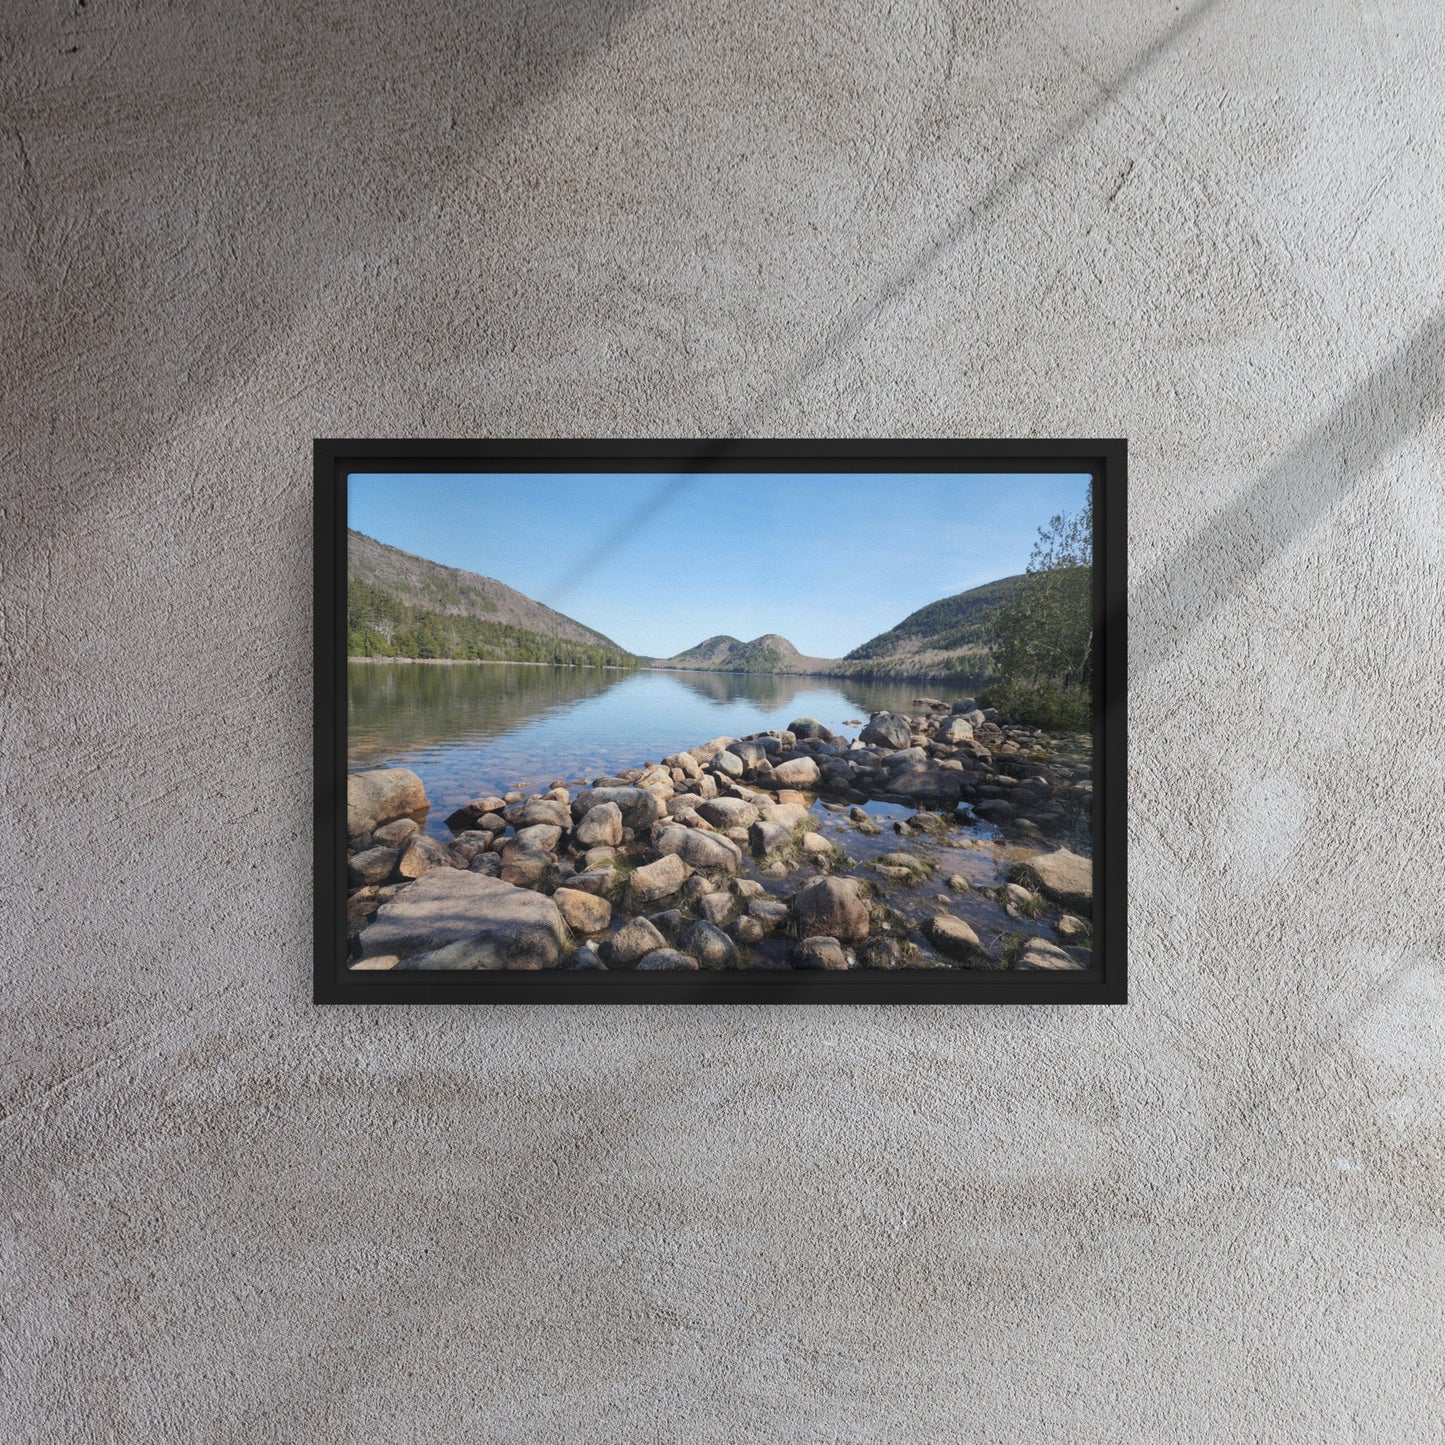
{"points": [[832, 908], [583, 912], [659, 879], [380, 795]]}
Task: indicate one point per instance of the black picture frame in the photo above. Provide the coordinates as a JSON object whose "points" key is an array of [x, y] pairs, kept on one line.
{"points": [[1105, 983]]}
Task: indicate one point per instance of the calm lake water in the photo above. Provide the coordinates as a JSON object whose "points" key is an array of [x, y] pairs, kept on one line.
{"points": [[474, 728]]}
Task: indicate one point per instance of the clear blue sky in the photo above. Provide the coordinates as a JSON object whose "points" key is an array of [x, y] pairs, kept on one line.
{"points": [[659, 562]]}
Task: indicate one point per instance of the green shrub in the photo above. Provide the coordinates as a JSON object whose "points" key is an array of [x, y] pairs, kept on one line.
{"points": [[1046, 704]]}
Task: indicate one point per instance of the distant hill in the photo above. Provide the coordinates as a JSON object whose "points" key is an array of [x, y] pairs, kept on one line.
{"points": [[949, 638], [401, 605], [769, 653]]}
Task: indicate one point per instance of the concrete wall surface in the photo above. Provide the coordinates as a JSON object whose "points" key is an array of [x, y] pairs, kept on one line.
{"points": [[1211, 227]]}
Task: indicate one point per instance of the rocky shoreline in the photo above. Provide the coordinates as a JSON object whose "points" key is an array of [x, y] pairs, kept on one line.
{"points": [[938, 838]]}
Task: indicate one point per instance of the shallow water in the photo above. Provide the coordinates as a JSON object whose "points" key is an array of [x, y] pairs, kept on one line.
{"points": [[468, 729]]}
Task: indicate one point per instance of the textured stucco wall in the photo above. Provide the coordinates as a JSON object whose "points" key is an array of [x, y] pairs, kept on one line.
{"points": [[1212, 228]]}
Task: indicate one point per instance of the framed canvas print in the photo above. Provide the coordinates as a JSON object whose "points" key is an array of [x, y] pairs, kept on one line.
{"points": [[766, 721]]}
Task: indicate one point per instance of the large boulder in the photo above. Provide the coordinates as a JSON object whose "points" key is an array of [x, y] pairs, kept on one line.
{"points": [[832, 908], [819, 952], [709, 945], [422, 854], [728, 812], [810, 727], [581, 911], [455, 920], [797, 773], [887, 730], [659, 879], [697, 848], [380, 795], [750, 751], [769, 838], [522, 865], [639, 808], [956, 730], [600, 825], [728, 763], [1065, 877], [934, 784], [550, 811], [373, 866], [631, 942]]}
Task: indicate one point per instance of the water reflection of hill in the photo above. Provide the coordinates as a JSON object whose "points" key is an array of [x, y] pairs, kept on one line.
{"points": [[778, 690], [393, 707]]}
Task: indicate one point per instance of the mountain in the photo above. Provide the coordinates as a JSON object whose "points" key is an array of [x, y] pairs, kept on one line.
{"points": [[769, 653], [948, 638], [401, 605]]}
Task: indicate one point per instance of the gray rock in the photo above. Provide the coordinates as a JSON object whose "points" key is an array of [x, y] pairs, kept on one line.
{"points": [[489, 865], [746, 888], [583, 912], [709, 945], [887, 730], [729, 763], [819, 952], [831, 907], [380, 795], [788, 814], [669, 923], [639, 808], [747, 931], [460, 920], [659, 879], [524, 866], [769, 838], [750, 752], [422, 854], [546, 810], [964, 705], [395, 833], [543, 836], [954, 731], [1038, 954], [909, 862], [810, 727], [1065, 877], [797, 773], [596, 881], [631, 942], [815, 845], [371, 868], [599, 826], [935, 784], [769, 912], [666, 960], [716, 908], [953, 938], [698, 849], [586, 957], [1070, 926], [728, 812]]}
